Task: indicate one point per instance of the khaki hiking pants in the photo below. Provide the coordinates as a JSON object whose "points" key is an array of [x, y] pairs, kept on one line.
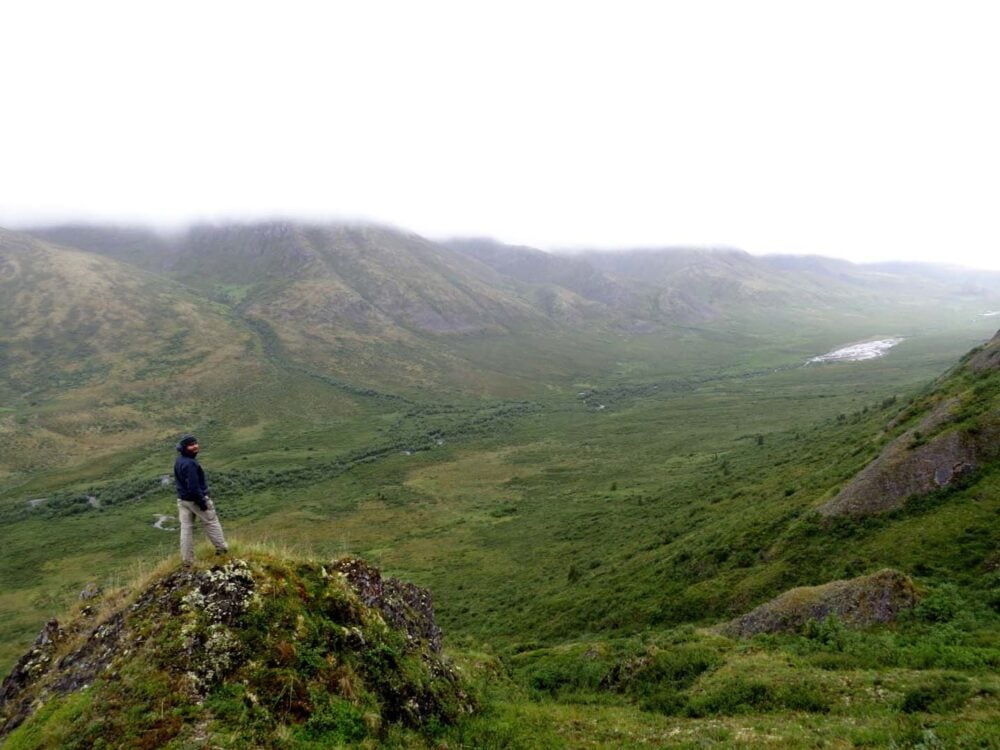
{"points": [[188, 511]]}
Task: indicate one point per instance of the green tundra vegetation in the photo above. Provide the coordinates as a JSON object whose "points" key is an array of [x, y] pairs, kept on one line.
{"points": [[588, 498]]}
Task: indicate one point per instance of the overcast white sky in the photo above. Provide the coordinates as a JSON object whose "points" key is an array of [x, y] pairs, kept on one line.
{"points": [[863, 130]]}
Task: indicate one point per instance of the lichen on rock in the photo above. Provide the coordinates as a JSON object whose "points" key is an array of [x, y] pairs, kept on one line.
{"points": [[404, 605]]}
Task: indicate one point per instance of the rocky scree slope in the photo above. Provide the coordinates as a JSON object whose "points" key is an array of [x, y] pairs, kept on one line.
{"points": [[250, 650]]}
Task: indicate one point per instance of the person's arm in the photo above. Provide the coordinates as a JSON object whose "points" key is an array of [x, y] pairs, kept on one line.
{"points": [[202, 489]]}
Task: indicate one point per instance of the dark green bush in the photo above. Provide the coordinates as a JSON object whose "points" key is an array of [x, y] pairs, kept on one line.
{"points": [[943, 604], [736, 697], [830, 631], [570, 674], [741, 696], [664, 699], [943, 695], [658, 684], [679, 667]]}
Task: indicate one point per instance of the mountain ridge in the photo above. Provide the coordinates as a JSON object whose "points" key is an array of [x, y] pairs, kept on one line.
{"points": [[691, 281]]}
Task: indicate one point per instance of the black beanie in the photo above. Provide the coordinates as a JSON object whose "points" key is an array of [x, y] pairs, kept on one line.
{"points": [[186, 441]]}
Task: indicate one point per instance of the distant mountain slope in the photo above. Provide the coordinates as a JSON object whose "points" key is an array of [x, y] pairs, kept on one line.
{"points": [[136, 245], [715, 277], [642, 292], [967, 280], [733, 281], [715, 287], [70, 313], [388, 309], [409, 282], [346, 280], [551, 272], [348, 274], [367, 304], [95, 351]]}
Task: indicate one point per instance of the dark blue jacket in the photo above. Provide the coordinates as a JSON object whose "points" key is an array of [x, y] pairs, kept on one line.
{"points": [[190, 480]]}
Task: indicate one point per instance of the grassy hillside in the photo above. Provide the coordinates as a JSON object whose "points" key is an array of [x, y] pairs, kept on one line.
{"points": [[736, 286], [98, 357]]}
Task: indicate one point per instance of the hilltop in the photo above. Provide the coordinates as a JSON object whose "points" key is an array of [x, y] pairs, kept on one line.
{"points": [[254, 652]]}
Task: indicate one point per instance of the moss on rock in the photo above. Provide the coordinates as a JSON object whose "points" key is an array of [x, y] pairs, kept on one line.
{"points": [[858, 602], [254, 649]]}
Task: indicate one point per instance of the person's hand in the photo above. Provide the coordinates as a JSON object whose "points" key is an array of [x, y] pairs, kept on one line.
{"points": [[203, 502]]}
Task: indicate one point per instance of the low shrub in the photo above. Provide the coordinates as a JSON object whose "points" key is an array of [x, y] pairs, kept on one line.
{"points": [[830, 631], [657, 684], [942, 695], [742, 696], [943, 604], [572, 674], [334, 720]]}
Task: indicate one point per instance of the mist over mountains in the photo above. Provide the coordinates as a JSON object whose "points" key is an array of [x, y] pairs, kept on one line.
{"points": [[375, 277]]}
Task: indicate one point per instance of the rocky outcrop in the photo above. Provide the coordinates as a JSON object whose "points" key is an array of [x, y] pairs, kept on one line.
{"points": [[27, 669], [858, 602], [988, 358], [934, 454], [300, 642], [907, 467], [405, 606]]}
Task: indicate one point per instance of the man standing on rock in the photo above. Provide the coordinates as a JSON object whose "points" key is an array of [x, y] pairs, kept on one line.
{"points": [[193, 501]]}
